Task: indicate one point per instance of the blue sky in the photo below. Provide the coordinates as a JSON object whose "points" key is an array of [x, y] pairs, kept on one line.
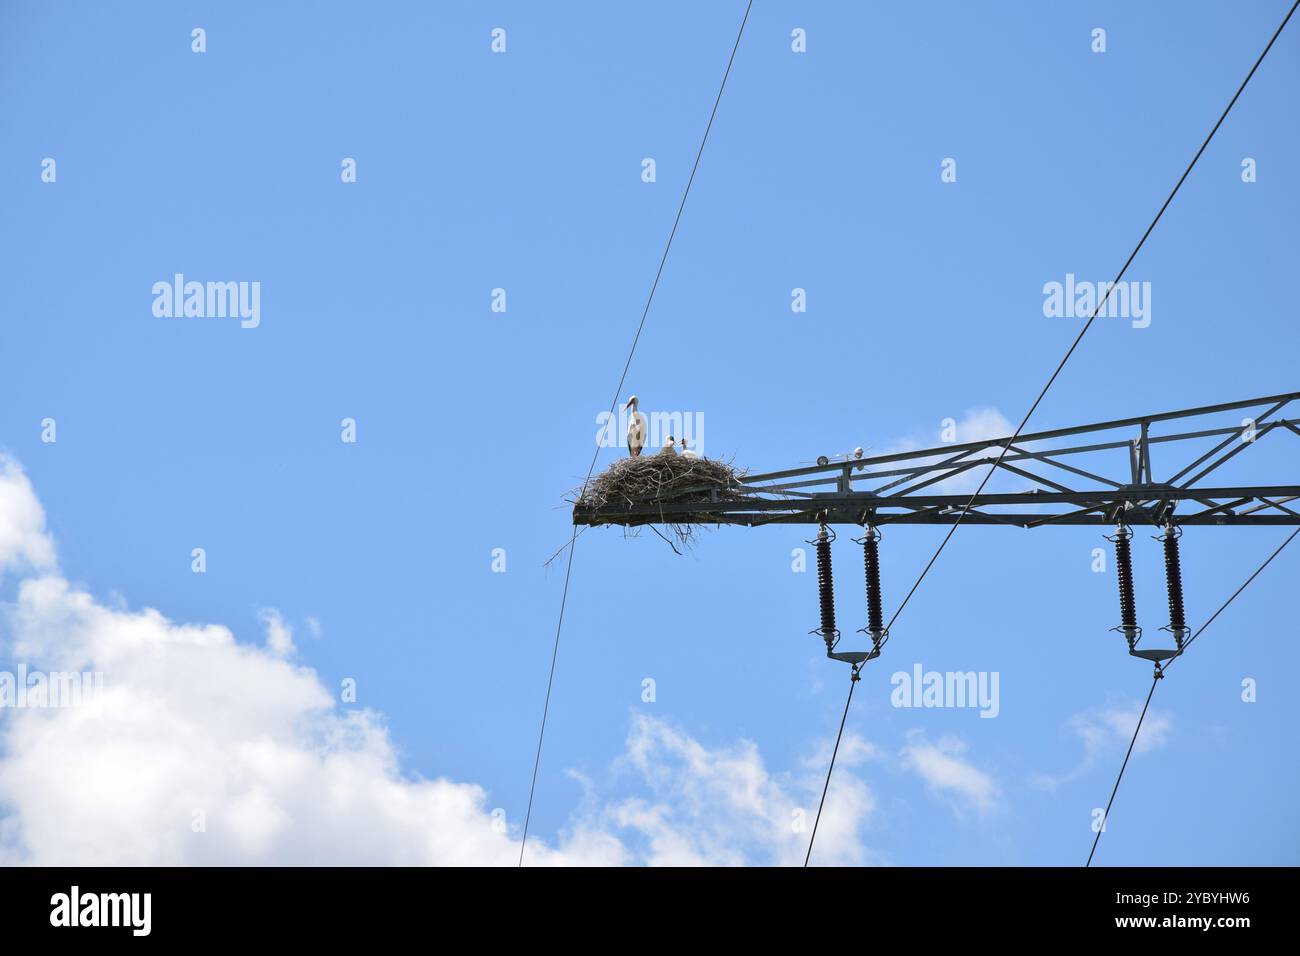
{"points": [[522, 171]]}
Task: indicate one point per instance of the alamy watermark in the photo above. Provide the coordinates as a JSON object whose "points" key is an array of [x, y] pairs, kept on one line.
{"points": [[208, 300], [659, 427], [130, 910], [40, 689], [1072, 299], [922, 688]]}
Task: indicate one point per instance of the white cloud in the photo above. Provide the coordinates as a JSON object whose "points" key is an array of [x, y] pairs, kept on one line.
{"points": [[23, 539], [977, 424], [190, 720], [1107, 731], [722, 805], [1102, 730], [941, 767], [981, 423], [279, 635], [193, 726]]}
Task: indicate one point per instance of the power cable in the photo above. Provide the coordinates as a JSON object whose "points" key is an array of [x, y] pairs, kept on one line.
{"points": [[1069, 352], [1128, 753], [1164, 670], [852, 683], [568, 570], [1100, 305]]}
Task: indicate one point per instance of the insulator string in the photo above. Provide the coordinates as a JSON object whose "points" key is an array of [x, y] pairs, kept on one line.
{"points": [[1124, 575], [1174, 584], [825, 587], [871, 559]]}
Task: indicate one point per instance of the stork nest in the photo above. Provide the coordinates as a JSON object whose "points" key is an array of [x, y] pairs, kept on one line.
{"points": [[660, 479]]}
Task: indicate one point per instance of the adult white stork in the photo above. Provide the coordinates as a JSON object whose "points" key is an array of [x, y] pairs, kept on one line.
{"points": [[686, 450], [635, 428]]}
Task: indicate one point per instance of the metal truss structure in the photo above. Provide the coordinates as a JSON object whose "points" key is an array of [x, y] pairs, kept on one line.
{"points": [[890, 489]]}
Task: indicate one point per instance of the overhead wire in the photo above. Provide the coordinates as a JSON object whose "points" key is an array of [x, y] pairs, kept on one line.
{"points": [[568, 570], [852, 683], [1155, 680], [1101, 824], [1097, 311]]}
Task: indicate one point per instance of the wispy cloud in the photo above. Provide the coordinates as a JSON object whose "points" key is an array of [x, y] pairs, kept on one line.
{"points": [[722, 805], [976, 424], [279, 635], [1105, 732], [942, 768]]}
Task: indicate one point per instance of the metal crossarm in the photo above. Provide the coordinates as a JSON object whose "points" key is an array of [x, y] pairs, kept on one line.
{"points": [[909, 487]]}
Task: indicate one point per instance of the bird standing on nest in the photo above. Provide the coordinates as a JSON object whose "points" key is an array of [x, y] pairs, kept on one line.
{"points": [[686, 450], [635, 428], [668, 451]]}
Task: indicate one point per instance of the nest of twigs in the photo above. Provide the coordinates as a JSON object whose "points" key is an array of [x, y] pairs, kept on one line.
{"points": [[658, 478]]}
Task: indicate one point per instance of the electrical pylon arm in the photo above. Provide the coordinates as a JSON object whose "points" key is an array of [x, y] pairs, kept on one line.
{"points": [[1063, 479]]}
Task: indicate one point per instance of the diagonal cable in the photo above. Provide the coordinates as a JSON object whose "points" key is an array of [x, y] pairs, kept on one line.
{"points": [[1128, 753], [812, 838], [1100, 305], [1074, 345], [568, 570], [1224, 605], [1165, 669]]}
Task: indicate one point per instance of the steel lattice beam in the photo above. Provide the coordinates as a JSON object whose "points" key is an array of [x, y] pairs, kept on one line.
{"points": [[889, 489]]}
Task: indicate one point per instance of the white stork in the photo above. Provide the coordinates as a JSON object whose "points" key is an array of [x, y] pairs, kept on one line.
{"points": [[686, 450], [668, 450], [635, 428]]}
